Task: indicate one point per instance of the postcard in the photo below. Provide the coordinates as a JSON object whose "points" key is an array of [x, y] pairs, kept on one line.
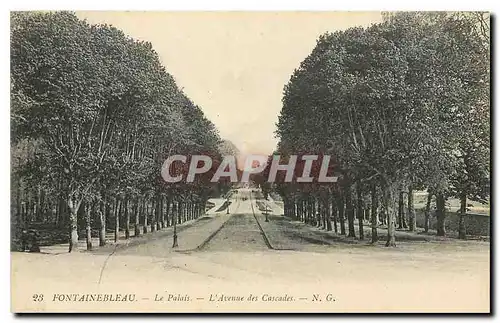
{"points": [[250, 162]]}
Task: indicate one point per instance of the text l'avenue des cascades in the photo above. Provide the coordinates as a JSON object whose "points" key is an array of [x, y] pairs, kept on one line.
{"points": [[167, 297], [265, 297]]}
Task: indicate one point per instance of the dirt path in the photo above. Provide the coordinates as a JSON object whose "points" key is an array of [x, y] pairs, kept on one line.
{"points": [[240, 233], [422, 276], [428, 277]]}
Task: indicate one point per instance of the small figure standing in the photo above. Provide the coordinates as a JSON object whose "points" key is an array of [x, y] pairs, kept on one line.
{"points": [[30, 241]]}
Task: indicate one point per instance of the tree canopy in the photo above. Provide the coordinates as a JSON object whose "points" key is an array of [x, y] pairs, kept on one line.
{"points": [[402, 102], [103, 111]]}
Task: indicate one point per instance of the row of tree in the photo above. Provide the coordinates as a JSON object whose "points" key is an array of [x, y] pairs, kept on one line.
{"points": [[94, 114], [402, 105]]}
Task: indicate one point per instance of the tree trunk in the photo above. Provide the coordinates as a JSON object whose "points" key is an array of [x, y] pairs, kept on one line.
{"points": [[411, 210], [19, 216], [361, 210], [311, 216], [159, 215], [389, 201], [145, 212], [296, 202], [341, 205], [175, 217], [328, 214], [162, 213], [440, 213], [137, 230], [302, 206], [27, 208], [157, 211], [38, 204], [61, 209], [401, 210], [180, 217], [427, 211], [88, 229], [108, 211], [304, 210], [461, 221], [117, 219], [308, 211], [305, 206], [319, 215], [383, 215], [154, 209], [102, 224], [73, 224], [299, 209], [350, 213], [181, 211], [374, 220], [168, 221], [127, 218], [186, 209], [334, 214], [182, 207]]}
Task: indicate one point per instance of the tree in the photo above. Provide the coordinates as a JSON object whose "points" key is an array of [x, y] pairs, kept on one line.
{"points": [[385, 101], [105, 114]]}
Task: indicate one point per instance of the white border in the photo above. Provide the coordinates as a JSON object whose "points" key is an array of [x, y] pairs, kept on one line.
{"points": [[225, 5], [181, 5]]}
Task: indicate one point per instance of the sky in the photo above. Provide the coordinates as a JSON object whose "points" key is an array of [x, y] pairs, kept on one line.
{"points": [[234, 65]]}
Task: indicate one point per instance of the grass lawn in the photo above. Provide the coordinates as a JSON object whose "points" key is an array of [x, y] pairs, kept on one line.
{"points": [[452, 204]]}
